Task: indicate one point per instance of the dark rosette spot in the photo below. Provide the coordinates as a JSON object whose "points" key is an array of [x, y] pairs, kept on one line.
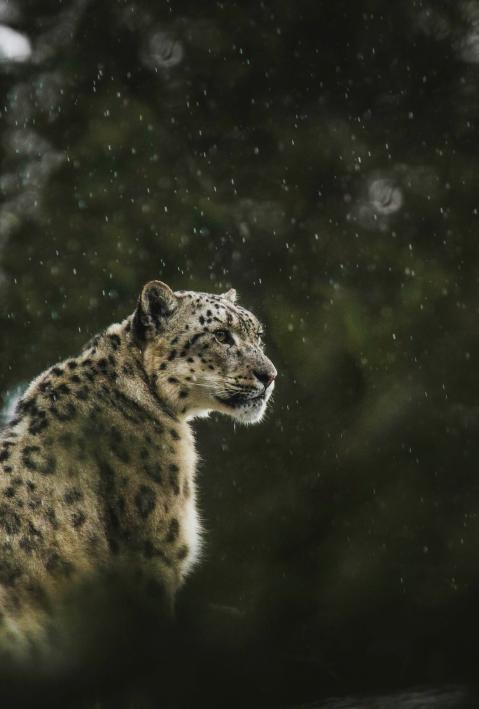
{"points": [[39, 423], [145, 500], [57, 566], [4, 454], [9, 520], [73, 495], [51, 517], [34, 458], [115, 341], [9, 572], [78, 519], [173, 531], [67, 412], [33, 531], [173, 475], [28, 544], [182, 552], [153, 470]]}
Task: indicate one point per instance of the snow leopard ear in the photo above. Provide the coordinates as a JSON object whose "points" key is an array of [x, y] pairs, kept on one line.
{"points": [[156, 304], [230, 295]]}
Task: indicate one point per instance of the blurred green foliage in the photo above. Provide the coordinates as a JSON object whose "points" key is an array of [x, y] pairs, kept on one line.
{"points": [[321, 158]]}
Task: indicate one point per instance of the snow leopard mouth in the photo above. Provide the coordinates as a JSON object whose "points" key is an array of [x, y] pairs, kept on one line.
{"points": [[237, 400]]}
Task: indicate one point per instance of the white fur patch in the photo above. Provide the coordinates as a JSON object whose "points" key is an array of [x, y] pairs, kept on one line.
{"points": [[192, 532]]}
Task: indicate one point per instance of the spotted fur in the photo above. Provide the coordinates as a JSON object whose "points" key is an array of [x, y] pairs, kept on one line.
{"points": [[98, 464]]}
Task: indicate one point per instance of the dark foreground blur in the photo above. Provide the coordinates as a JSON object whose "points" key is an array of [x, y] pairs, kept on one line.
{"points": [[321, 157], [447, 698]]}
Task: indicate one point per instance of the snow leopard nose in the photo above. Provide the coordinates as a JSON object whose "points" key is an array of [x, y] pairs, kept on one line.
{"points": [[265, 376]]}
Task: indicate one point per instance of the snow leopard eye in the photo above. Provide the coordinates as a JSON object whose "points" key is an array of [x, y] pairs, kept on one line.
{"points": [[224, 337]]}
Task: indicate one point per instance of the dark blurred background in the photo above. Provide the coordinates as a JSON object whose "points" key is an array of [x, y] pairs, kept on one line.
{"points": [[321, 157]]}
